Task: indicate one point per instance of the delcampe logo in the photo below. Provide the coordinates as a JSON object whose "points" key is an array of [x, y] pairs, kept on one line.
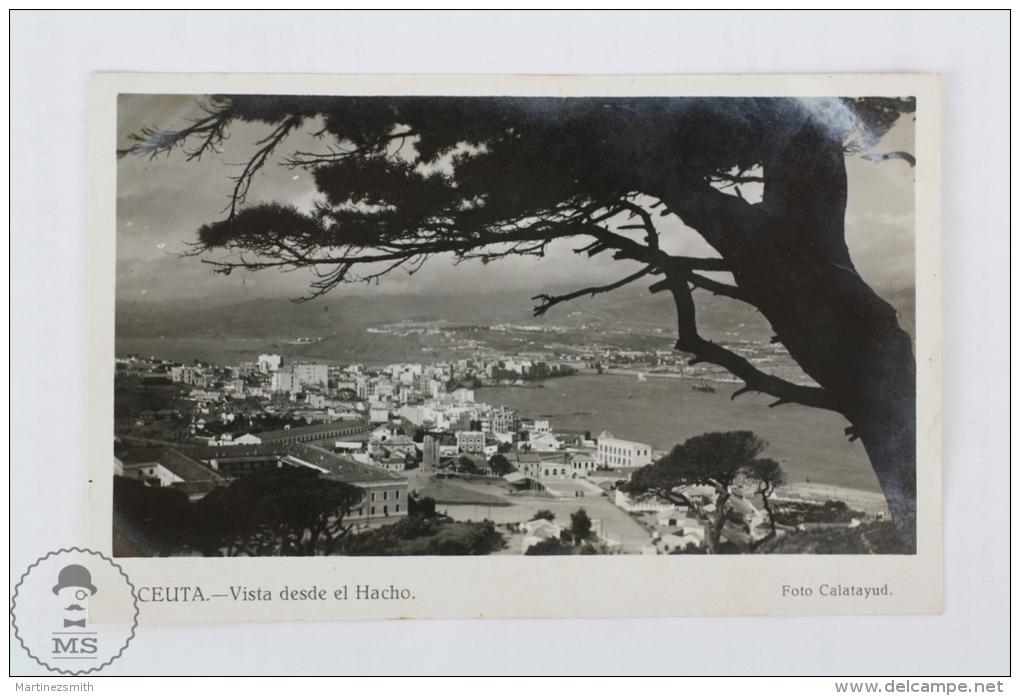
{"points": [[74, 611]]}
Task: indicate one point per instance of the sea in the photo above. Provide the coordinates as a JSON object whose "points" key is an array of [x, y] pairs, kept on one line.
{"points": [[664, 411]]}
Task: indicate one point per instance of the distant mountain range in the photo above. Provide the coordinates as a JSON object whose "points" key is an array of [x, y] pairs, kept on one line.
{"points": [[627, 309]]}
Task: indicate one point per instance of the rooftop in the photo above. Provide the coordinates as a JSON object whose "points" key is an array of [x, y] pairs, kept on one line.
{"points": [[321, 428], [522, 457], [143, 456], [187, 468], [341, 467], [337, 466]]}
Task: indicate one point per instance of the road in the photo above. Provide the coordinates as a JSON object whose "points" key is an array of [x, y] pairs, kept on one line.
{"points": [[479, 498]]}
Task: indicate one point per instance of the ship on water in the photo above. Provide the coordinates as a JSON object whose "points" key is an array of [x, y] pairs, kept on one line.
{"points": [[704, 387]]}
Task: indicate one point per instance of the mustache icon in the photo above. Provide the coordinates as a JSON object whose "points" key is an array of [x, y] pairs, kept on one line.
{"points": [[74, 607]]}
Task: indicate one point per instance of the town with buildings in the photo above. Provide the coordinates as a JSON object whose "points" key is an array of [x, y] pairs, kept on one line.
{"points": [[412, 437]]}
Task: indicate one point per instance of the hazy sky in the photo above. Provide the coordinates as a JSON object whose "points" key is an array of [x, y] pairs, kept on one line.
{"points": [[162, 203]]}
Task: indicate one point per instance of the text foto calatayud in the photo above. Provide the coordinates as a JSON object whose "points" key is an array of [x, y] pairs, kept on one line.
{"points": [[826, 590]]}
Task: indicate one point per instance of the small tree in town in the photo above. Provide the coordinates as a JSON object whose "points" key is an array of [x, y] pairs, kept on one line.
{"points": [[713, 460], [290, 511], [500, 465], [544, 515], [766, 475], [549, 547], [421, 506], [465, 465], [580, 525]]}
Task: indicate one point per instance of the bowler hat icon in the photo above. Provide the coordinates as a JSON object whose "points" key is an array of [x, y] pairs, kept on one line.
{"points": [[74, 576]]}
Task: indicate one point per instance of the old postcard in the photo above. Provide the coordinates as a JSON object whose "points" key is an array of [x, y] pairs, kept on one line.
{"points": [[369, 347]]}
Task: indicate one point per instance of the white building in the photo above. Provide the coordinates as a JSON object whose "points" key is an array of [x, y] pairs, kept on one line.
{"points": [[248, 439], [316, 400], [270, 363], [625, 502], [538, 530], [581, 465], [544, 442], [311, 373], [615, 453], [463, 396], [436, 389], [172, 468], [691, 535], [185, 374], [284, 382], [470, 441]]}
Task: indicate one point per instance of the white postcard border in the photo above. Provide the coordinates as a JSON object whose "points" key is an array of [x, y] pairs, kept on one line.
{"points": [[506, 587]]}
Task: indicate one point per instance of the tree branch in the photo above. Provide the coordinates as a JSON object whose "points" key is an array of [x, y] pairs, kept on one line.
{"points": [[310, 160], [549, 301], [720, 218], [211, 129], [683, 267], [717, 288], [651, 234], [690, 341], [243, 182]]}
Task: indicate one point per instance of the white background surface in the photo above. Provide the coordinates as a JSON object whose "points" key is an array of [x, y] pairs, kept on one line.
{"points": [[52, 55]]}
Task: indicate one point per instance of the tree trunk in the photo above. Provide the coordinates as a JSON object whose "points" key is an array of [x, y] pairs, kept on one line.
{"points": [[720, 517], [891, 446], [768, 509], [772, 523], [710, 547], [789, 259]]}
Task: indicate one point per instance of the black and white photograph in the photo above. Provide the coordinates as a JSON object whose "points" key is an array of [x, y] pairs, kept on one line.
{"points": [[430, 325], [424, 342]]}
